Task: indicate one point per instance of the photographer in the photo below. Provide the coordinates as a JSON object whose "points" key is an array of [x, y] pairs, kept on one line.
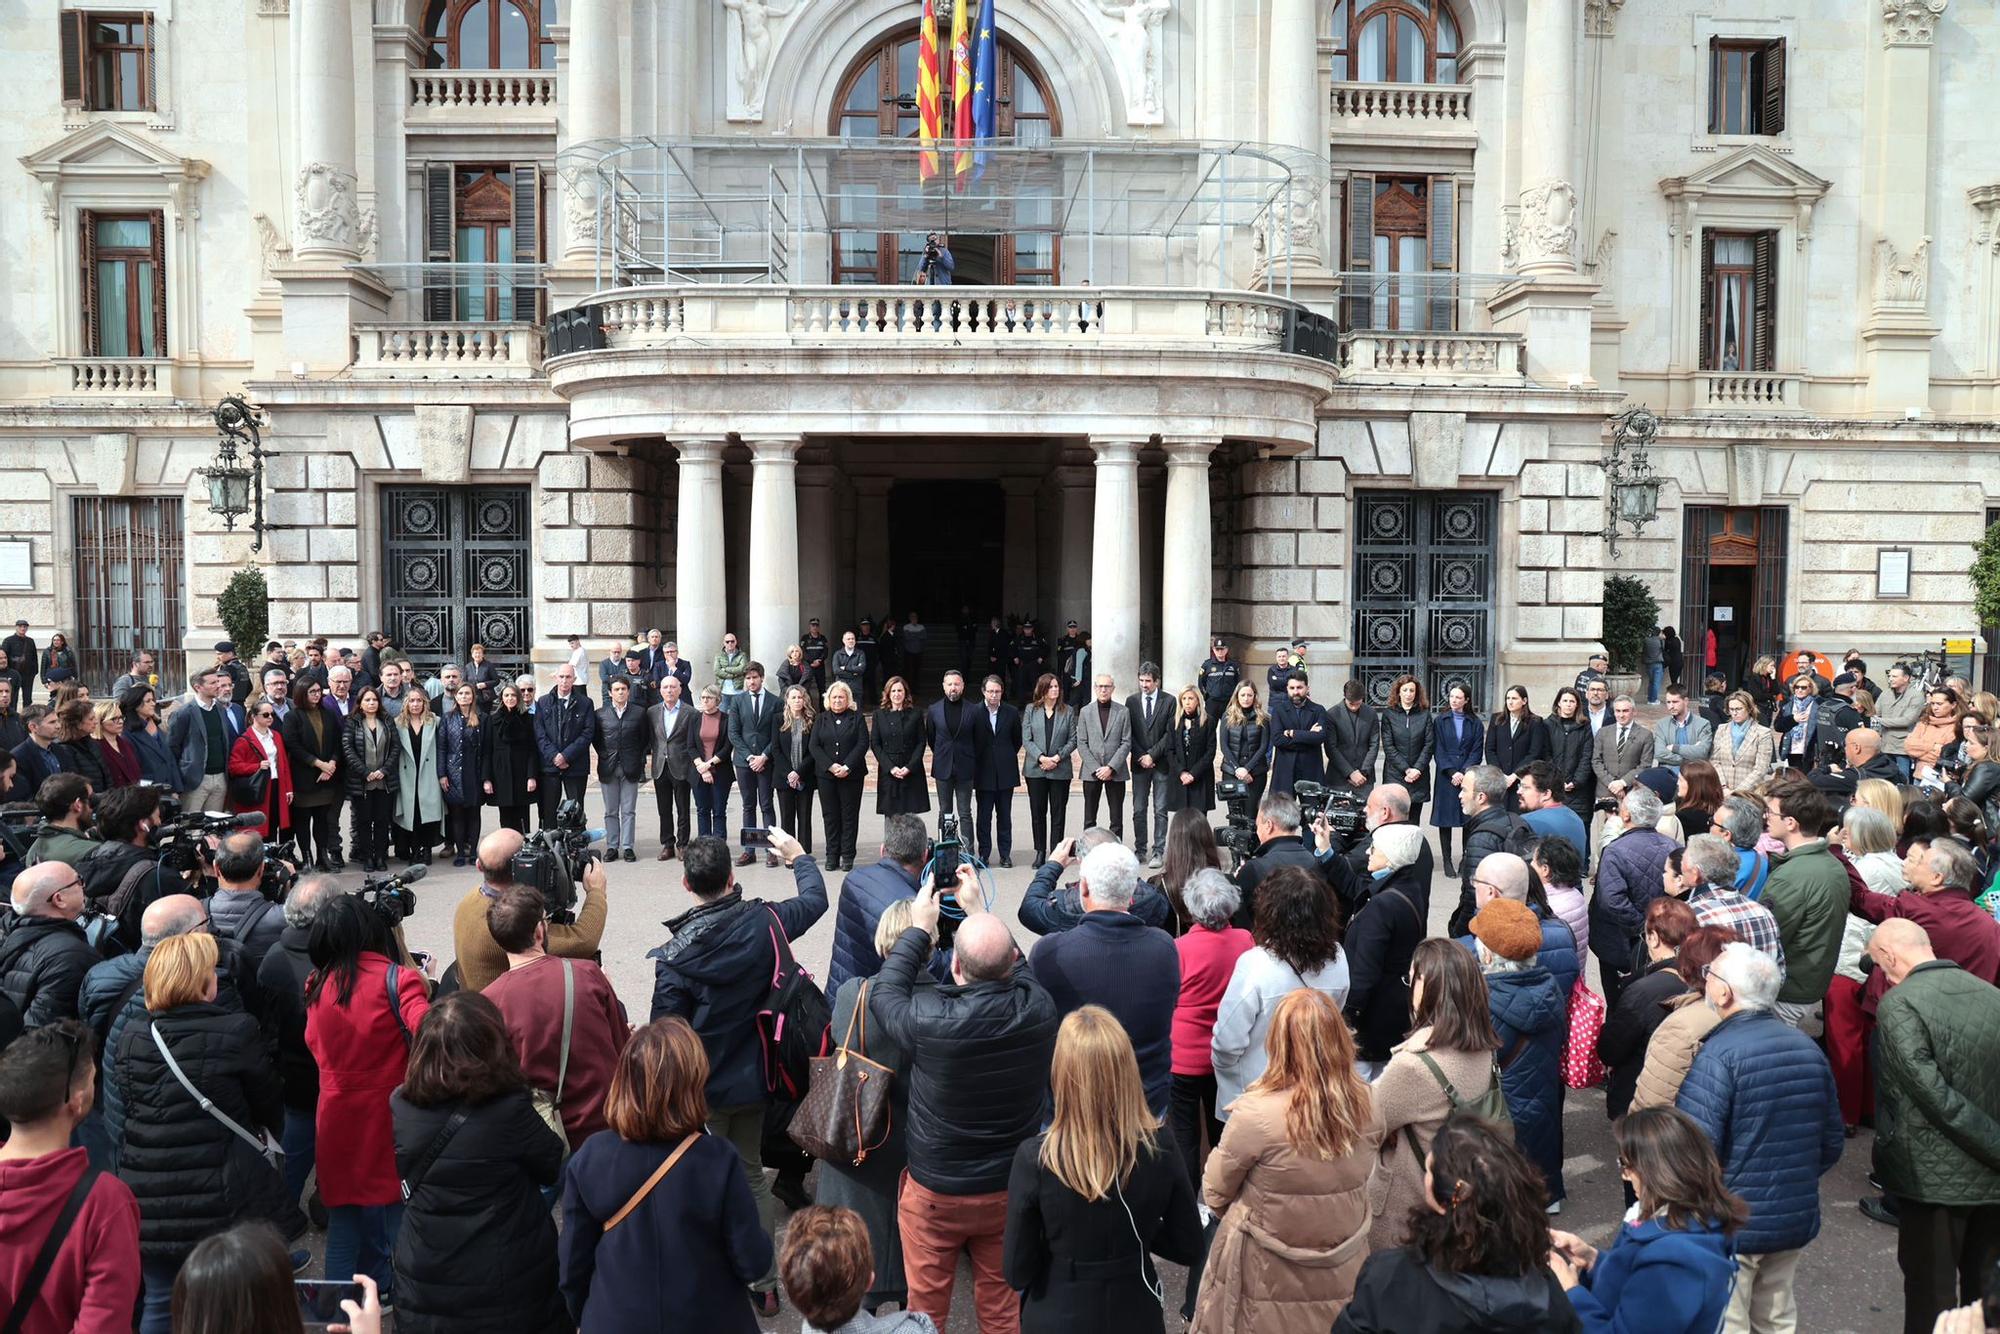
{"points": [[480, 958], [126, 819], [64, 801], [935, 268], [239, 910], [1048, 909], [1862, 753], [1279, 845]]}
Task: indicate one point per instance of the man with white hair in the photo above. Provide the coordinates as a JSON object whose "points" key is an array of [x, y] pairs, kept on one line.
{"points": [[1765, 1095], [1623, 747], [1388, 804], [1050, 907], [1707, 884], [1629, 876], [1113, 959], [43, 952]]}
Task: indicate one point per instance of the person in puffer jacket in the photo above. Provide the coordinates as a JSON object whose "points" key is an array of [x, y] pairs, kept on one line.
{"points": [[1764, 1094], [1531, 1019]]}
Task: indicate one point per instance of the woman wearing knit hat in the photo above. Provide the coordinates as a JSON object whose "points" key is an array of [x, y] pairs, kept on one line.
{"points": [[1531, 1019]]}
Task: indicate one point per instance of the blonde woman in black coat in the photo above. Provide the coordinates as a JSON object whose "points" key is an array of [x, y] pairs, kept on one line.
{"points": [[840, 754], [1189, 761], [1243, 736]]}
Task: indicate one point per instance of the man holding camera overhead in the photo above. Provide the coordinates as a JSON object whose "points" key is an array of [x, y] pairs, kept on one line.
{"points": [[480, 958]]}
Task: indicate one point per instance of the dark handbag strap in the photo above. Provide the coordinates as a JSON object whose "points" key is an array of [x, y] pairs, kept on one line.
{"points": [[430, 1153], [394, 978], [45, 1260]]}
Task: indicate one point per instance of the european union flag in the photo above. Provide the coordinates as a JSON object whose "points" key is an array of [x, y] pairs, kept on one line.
{"points": [[985, 82]]}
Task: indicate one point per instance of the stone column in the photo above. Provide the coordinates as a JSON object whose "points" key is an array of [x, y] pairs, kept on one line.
{"points": [[1020, 558], [591, 112], [1114, 562], [1547, 243], [1186, 576], [700, 587], [1297, 102], [1896, 187], [871, 552], [817, 539], [774, 548], [328, 222]]}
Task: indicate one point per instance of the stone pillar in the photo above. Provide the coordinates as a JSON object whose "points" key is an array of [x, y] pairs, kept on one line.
{"points": [[1114, 581], [1297, 102], [871, 553], [1021, 556], [775, 617], [700, 588], [328, 224], [1186, 576], [591, 112], [817, 528], [1897, 183], [1547, 242]]}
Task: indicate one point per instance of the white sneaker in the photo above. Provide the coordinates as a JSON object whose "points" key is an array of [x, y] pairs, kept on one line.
{"points": [[1154, 864]]}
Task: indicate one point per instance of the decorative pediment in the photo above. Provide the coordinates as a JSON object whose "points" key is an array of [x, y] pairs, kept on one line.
{"points": [[106, 151], [1752, 185]]}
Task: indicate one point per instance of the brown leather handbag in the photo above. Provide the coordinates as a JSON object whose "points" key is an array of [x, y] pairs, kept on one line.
{"points": [[845, 1114]]}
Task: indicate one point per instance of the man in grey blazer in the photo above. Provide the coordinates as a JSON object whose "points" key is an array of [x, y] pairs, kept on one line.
{"points": [[1353, 741], [1622, 748], [1683, 734], [754, 715], [1103, 746], [1151, 712], [672, 764]]}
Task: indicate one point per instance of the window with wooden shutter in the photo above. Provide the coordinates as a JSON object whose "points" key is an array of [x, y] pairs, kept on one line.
{"points": [[1746, 87], [86, 228], [156, 279], [1770, 74], [115, 61], [1360, 251], [71, 22], [439, 218], [1709, 360], [124, 288], [1444, 253], [527, 239], [1763, 301]]}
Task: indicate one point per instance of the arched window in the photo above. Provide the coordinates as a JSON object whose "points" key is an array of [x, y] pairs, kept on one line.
{"points": [[490, 34], [1394, 41], [878, 100]]}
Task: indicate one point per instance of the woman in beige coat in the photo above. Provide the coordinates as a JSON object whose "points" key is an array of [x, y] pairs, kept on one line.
{"points": [[1290, 1182], [1454, 1029], [1671, 1049], [1744, 749]]}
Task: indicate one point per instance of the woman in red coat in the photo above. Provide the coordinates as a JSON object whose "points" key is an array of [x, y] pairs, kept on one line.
{"points": [[261, 750], [360, 1017]]}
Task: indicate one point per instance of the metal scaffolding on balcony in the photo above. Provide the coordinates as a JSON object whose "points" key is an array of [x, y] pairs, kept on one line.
{"points": [[713, 209]]}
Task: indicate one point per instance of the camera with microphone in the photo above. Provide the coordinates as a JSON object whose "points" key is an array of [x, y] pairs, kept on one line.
{"points": [[390, 896], [554, 857]]}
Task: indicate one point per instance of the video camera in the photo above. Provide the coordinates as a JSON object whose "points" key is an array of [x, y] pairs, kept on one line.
{"points": [[1239, 835], [554, 857], [390, 896], [1343, 809]]}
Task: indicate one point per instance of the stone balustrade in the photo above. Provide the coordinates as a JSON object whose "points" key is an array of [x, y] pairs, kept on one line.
{"points": [[1748, 391], [1414, 106], [119, 377], [445, 92], [448, 351], [1386, 356]]}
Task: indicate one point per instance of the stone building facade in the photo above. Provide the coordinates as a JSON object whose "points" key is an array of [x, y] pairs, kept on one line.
{"points": [[1777, 227]]}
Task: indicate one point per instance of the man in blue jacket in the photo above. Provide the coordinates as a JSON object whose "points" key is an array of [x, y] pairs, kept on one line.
{"points": [[1503, 875], [565, 725], [867, 893], [1764, 1094], [715, 973]]}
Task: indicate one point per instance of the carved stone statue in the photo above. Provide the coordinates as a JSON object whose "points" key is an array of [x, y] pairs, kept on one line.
{"points": [[1138, 37], [328, 212], [750, 53], [276, 249]]}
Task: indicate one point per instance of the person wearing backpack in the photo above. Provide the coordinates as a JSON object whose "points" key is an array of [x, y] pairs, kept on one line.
{"points": [[718, 972], [239, 909]]}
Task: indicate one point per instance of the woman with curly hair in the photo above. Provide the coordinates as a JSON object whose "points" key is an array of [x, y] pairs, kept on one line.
{"points": [[1297, 929], [1409, 742], [1477, 1260]]}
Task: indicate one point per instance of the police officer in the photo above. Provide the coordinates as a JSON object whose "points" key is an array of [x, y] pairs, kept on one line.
{"points": [[813, 644], [1030, 655], [1066, 651], [1599, 666], [1217, 678]]}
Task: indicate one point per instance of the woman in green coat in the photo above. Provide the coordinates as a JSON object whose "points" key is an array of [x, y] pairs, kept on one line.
{"points": [[419, 793]]}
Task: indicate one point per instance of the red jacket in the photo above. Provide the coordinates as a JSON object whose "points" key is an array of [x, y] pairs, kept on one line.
{"points": [[531, 1003], [1960, 930], [246, 757], [95, 1281], [1208, 960], [362, 1055]]}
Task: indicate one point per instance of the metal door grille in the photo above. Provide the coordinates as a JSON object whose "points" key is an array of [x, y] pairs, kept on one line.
{"points": [[455, 571], [1423, 591], [129, 578]]}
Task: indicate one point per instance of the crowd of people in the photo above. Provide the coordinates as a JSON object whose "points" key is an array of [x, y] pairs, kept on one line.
{"points": [[1247, 1055]]}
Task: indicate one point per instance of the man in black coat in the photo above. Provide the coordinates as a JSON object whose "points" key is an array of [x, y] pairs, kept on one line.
{"points": [[1151, 712], [954, 749], [1280, 844], [979, 1049], [623, 735], [43, 952], [1217, 678], [850, 666], [1862, 752], [1299, 733], [564, 728], [1353, 741], [1030, 653], [996, 769], [754, 715], [24, 657], [1488, 824]]}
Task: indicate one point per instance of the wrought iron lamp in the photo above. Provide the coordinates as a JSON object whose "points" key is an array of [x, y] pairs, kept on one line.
{"points": [[234, 487], [1632, 487]]}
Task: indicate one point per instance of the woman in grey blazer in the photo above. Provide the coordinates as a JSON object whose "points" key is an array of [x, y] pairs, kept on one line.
{"points": [[1048, 741]]}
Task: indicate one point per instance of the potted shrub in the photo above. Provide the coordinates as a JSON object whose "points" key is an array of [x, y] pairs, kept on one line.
{"points": [[245, 611], [1631, 613]]}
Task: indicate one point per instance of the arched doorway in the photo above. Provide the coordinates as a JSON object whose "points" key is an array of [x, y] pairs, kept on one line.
{"points": [[1010, 240]]}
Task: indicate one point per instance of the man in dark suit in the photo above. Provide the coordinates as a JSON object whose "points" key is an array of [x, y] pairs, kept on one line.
{"points": [[1150, 712], [996, 731], [565, 725], [850, 664], [1353, 741], [672, 764], [954, 749], [1299, 733], [25, 658], [1623, 747], [754, 715]]}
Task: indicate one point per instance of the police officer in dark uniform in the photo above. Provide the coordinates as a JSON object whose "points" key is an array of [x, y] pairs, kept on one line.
{"points": [[1217, 678], [968, 636], [1066, 651], [1599, 665], [813, 644], [1029, 656]]}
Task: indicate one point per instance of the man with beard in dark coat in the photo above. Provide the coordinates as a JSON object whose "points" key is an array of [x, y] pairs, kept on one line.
{"points": [[1299, 726]]}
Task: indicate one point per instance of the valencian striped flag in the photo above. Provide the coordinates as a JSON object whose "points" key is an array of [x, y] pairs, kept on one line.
{"points": [[985, 85], [930, 123], [961, 86]]}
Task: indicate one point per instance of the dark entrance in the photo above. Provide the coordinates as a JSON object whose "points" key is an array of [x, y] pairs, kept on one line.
{"points": [[1423, 592], [1733, 581], [946, 540], [455, 570]]}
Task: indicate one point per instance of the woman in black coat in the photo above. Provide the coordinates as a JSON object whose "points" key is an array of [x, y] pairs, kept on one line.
{"points": [[313, 741], [369, 754], [840, 755], [191, 1174], [477, 1249], [1244, 738], [1570, 744], [512, 764], [797, 777], [1515, 737], [898, 743], [1643, 1005], [1188, 766], [1409, 742]]}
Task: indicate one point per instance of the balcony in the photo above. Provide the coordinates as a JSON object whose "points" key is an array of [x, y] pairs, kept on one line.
{"points": [[116, 378], [1403, 113], [463, 351], [1748, 391], [1389, 357], [455, 100], [934, 362]]}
